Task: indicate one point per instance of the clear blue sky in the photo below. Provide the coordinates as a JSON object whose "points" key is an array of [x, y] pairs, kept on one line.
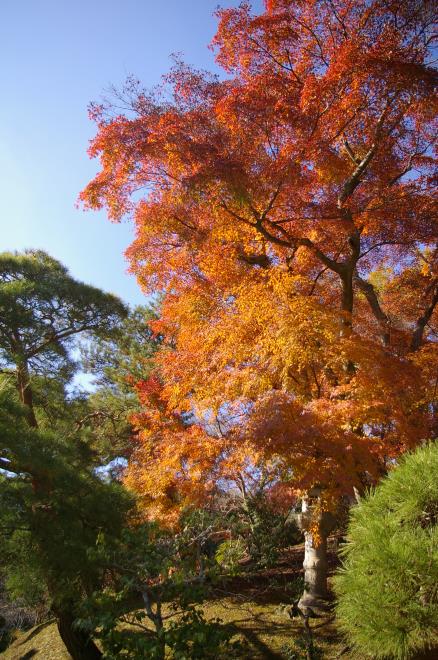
{"points": [[57, 56]]}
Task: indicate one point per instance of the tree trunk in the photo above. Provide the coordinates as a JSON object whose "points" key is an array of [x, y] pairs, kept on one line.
{"points": [[417, 337], [315, 573], [347, 303], [25, 393], [157, 620], [315, 594], [78, 643]]}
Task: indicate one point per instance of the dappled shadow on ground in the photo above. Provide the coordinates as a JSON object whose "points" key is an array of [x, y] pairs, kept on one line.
{"points": [[258, 645], [254, 603], [280, 584], [267, 627]]}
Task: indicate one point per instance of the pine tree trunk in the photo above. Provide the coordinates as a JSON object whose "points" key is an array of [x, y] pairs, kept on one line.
{"points": [[25, 393], [78, 643]]}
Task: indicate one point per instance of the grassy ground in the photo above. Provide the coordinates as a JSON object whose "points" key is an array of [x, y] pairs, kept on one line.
{"points": [[254, 603], [267, 633], [42, 642]]}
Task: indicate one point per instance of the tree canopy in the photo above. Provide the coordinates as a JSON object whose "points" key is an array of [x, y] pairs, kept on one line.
{"points": [[42, 310], [288, 217]]}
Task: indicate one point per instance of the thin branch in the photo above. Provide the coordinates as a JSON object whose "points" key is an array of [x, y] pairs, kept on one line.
{"points": [[339, 20], [353, 181], [349, 150], [236, 215], [382, 244], [271, 203], [315, 281]]}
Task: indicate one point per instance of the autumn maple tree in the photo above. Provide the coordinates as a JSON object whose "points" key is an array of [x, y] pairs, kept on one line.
{"points": [[285, 212]]}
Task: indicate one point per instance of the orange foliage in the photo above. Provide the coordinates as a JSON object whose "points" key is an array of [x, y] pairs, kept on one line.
{"points": [[288, 218]]}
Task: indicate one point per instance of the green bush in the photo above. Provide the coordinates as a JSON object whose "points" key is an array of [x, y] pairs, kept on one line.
{"points": [[299, 650], [187, 637], [388, 587], [268, 532], [193, 636], [146, 566], [229, 555]]}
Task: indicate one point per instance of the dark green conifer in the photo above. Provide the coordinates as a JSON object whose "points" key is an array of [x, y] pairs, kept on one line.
{"points": [[388, 587]]}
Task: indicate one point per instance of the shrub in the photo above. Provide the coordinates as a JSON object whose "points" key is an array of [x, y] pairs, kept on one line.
{"points": [[269, 532], [193, 636], [299, 650], [388, 587], [229, 555], [146, 565], [186, 637]]}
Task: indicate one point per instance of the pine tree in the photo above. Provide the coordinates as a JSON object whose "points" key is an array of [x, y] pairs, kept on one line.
{"points": [[388, 586], [43, 309], [49, 486], [52, 510]]}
